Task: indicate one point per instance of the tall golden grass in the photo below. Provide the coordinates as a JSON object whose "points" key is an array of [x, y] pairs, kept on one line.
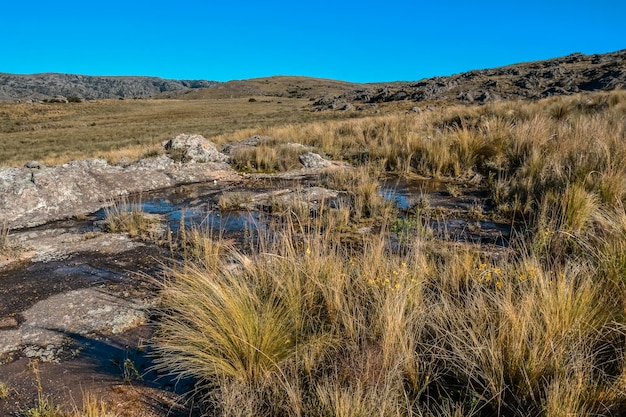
{"points": [[305, 325], [316, 326]]}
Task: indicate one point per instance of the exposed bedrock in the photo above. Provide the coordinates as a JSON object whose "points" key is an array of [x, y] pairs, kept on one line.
{"points": [[36, 194]]}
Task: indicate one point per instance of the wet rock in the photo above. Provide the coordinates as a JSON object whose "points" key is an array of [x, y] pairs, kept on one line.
{"points": [[49, 323], [35, 196], [194, 148], [313, 161]]}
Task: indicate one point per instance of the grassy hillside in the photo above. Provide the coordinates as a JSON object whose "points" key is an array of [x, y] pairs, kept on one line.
{"points": [[279, 86]]}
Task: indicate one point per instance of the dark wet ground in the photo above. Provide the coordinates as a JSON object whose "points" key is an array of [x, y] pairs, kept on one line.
{"points": [[118, 365], [24, 285], [460, 215]]}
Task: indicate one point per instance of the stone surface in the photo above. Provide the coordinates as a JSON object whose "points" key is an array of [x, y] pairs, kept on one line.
{"points": [[310, 197], [313, 161], [49, 322], [35, 196], [194, 148], [250, 142]]}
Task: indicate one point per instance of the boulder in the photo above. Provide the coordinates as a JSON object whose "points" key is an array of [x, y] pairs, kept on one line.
{"points": [[313, 161], [193, 148]]}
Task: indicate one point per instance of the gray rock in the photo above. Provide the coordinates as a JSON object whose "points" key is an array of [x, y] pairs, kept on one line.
{"points": [[313, 161], [250, 142], [82, 311], [466, 96], [35, 196], [193, 148], [57, 99]]}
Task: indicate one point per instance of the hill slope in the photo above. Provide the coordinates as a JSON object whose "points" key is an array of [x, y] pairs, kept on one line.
{"points": [[47, 86], [560, 76], [566, 75]]}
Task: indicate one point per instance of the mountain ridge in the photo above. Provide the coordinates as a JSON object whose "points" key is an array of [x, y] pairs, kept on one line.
{"points": [[47, 86], [527, 80]]}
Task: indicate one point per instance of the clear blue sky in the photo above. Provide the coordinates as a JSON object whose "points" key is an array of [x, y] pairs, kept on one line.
{"points": [[362, 41]]}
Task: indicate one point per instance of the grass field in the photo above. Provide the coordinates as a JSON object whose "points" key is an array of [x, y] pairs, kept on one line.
{"points": [[57, 133]]}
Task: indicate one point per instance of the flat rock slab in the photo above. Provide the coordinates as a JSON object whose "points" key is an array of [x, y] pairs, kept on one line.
{"points": [[72, 286], [49, 323], [33, 196]]}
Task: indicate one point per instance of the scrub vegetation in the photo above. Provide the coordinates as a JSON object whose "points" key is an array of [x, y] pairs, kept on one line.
{"points": [[312, 316], [308, 323]]}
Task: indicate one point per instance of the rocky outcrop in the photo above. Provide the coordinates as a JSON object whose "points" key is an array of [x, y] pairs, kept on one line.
{"points": [[61, 88], [36, 194], [332, 103], [193, 148], [560, 76]]}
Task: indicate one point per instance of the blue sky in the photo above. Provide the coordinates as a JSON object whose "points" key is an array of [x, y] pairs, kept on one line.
{"points": [[364, 41]]}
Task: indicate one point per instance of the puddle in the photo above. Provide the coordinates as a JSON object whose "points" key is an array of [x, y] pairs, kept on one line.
{"points": [[195, 205], [84, 270], [409, 193], [405, 193], [201, 212]]}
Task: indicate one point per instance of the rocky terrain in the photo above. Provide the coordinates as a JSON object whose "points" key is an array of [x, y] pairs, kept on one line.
{"points": [[531, 80], [68, 87], [571, 74], [89, 314], [36, 194]]}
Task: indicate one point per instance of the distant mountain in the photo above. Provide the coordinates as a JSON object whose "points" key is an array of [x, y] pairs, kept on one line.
{"points": [[277, 86], [532, 80], [52, 86]]}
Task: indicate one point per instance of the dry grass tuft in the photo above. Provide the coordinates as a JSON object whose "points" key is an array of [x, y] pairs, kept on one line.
{"points": [[125, 217]]}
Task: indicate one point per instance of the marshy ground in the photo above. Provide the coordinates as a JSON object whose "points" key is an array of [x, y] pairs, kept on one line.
{"points": [[470, 261]]}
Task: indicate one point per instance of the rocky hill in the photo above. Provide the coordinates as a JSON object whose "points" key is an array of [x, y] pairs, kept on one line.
{"points": [[531, 80], [566, 75], [61, 87]]}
